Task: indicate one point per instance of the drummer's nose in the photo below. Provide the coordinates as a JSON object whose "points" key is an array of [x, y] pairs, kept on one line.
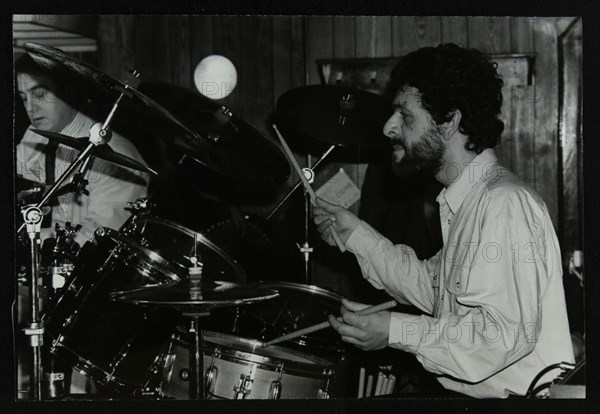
{"points": [[391, 129]]}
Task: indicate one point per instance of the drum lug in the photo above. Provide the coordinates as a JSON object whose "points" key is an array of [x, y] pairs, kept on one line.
{"points": [[244, 385], [322, 395], [275, 390], [210, 379]]}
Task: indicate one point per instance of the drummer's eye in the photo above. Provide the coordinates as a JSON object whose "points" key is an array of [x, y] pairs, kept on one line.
{"points": [[39, 93]]}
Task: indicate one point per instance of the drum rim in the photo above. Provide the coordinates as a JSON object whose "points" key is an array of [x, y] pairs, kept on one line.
{"points": [[300, 287], [143, 253], [201, 238], [316, 362]]}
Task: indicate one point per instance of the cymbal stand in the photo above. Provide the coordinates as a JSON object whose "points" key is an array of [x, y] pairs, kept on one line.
{"points": [[34, 329], [306, 249], [32, 215]]}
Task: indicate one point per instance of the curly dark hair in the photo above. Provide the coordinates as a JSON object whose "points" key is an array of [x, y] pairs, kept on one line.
{"points": [[450, 77]]}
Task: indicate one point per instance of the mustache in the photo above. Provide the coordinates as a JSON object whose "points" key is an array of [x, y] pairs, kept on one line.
{"points": [[397, 141]]}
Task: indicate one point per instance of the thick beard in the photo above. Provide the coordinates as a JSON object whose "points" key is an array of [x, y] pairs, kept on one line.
{"points": [[426, 155]]}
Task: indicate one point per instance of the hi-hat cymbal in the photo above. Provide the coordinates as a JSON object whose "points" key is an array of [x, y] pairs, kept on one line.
{"points": [[98, 86], [238, 152], [198, 296], [336, 115], [103, 151]]}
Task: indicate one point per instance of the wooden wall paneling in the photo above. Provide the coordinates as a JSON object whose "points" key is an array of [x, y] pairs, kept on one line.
{"points": [[412, 33], [143, 56], [298, 50], [489, 34], [454, 30], [257, 61], [179, 50], [521, 130], [344, 37], [546, 114], [373, 36], [521, 34], [159, 45], [515, 93], [108, 46], [227, 40], [201, 40], [319, 44], [570, 232], [282, 55]]}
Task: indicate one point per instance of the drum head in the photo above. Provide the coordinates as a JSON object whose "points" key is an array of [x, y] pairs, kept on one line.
{"points": [[253, 350], [298, 306], [176, 243]]}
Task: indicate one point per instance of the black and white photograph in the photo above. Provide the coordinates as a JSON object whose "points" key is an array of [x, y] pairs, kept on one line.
{"points": [[298, 207]]}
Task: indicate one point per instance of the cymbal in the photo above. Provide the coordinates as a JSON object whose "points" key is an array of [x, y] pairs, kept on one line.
{"points": [[238, 152], [337, 115], [98, 84], [103, 151], [193, 295]]}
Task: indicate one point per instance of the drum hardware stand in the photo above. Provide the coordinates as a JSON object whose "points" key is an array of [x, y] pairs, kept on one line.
{"points": [[32, 215], [306, 249]]}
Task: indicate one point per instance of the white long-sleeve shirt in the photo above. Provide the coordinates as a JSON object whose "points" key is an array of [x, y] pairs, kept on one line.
{"points": [[110, 186], [494, 298]]}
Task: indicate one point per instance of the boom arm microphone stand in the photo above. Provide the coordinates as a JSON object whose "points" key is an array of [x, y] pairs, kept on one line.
{"points": [[32, 216]]}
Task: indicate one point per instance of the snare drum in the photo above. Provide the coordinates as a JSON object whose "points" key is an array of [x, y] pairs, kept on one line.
{"points": [[115, 344], [239, 368], [298, 306]]}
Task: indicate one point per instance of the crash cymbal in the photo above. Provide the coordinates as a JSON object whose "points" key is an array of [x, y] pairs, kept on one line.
{"points": [[336, 115], [103, 151], [195, 295], [238, 152], [97, 85]]}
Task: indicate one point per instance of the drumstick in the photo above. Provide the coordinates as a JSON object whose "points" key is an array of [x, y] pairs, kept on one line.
{"points": [[307, 186], [361, 382], [369, 386], [325, 324], [379, 382]]}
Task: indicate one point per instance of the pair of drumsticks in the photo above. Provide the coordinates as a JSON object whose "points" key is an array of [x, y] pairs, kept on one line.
{"points": [[367, 311]]}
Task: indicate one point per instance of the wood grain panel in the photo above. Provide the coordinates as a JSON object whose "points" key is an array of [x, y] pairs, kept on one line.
{"points": [[257, 58], [412, 33], [160, 49], [546, 115], [143, 55], [227, 38], [489, 34], [521, 34], [521, 130], [454, 30], [179, 50], [298, 50], [373, 36], [201, 40], [571, 229], [344, 37], [319, 45], [282, 54]]}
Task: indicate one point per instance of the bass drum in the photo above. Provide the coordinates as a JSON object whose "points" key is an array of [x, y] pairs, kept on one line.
{"points": [[240, 368], [177, 244], [298, 306], [115, 344]]}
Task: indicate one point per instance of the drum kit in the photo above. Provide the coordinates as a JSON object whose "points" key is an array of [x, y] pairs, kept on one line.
{"points": [[157, 310]]}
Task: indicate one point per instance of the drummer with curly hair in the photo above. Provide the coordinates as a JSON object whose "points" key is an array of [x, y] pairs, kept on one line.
{"points": [[492, 299]]}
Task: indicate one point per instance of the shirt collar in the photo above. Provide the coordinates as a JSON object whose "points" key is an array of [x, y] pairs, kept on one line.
{"points": [[74, 126], [471, 174]]}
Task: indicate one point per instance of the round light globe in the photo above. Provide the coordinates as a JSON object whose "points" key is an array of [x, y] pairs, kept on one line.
{"points": [[215, 77]]}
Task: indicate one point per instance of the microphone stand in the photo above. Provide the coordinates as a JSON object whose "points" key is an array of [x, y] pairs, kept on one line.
{"points": [[32, 218]]}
